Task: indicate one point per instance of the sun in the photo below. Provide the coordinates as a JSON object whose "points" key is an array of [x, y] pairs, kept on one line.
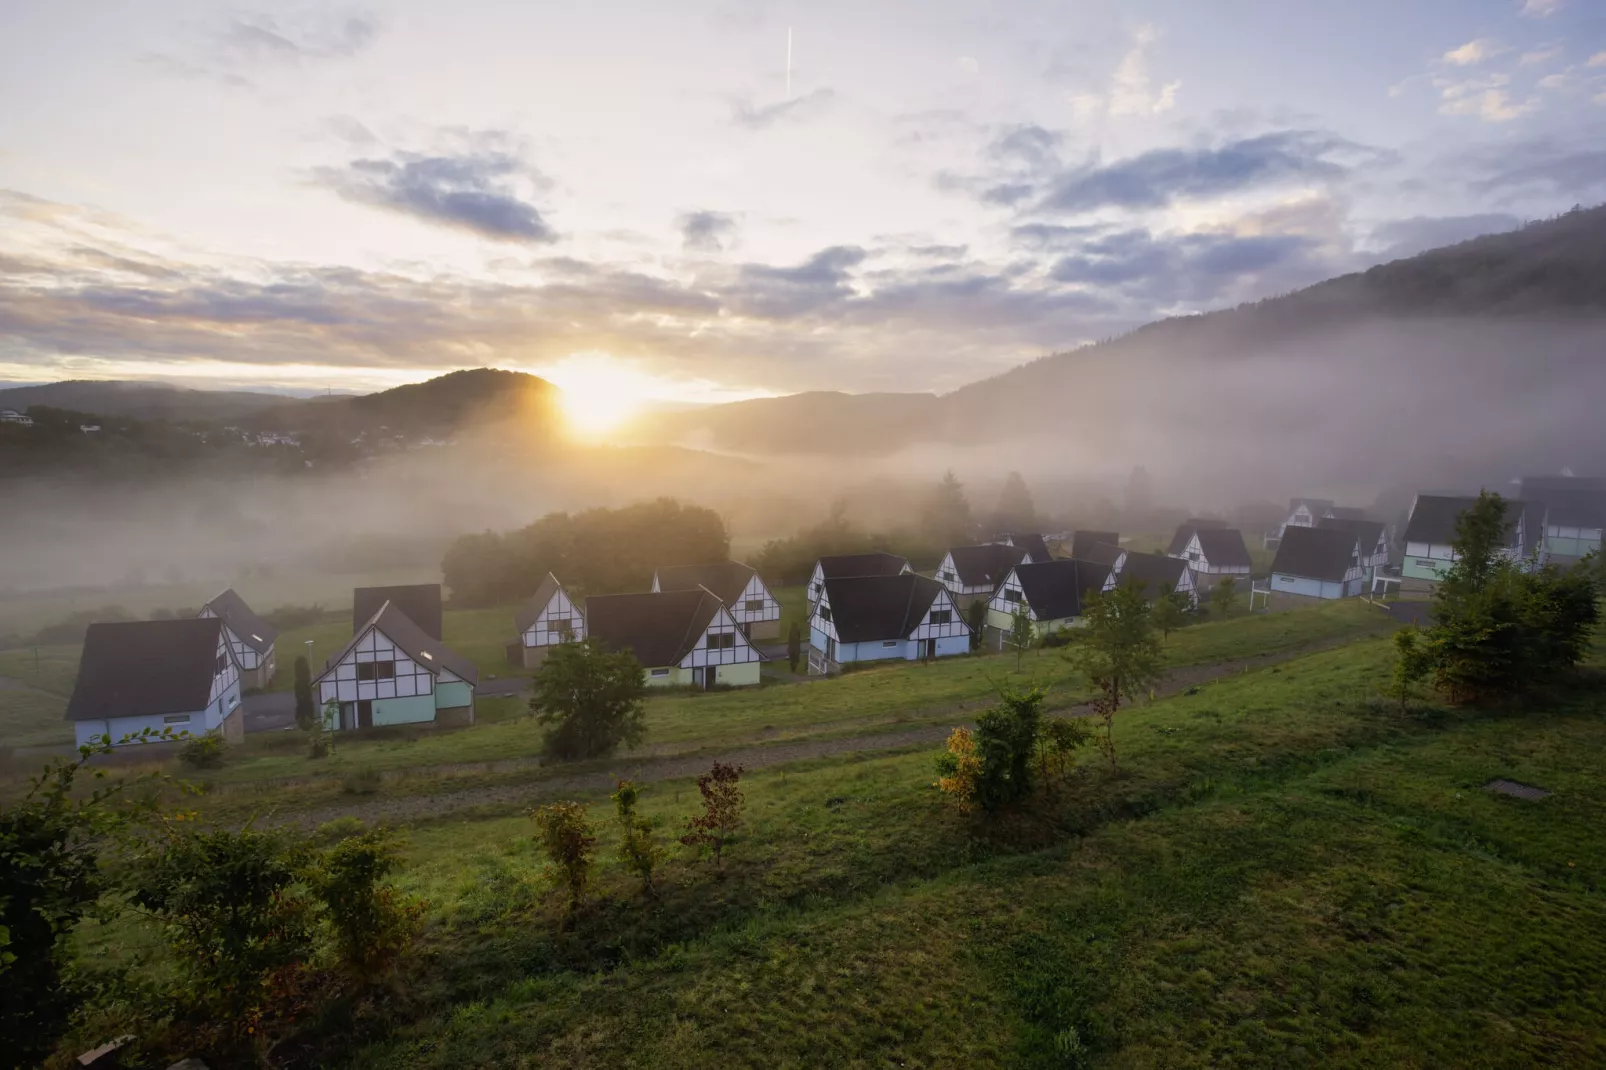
{"points": [[599, 393]]}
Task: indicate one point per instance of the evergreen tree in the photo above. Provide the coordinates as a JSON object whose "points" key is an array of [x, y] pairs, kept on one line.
{"points": [[976, 617], [1224, 595], [1167, 612], [794, 645], [306, 706], [1016, 511], [946, 519]]}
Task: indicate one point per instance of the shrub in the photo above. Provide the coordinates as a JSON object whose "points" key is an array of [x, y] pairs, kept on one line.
{"points": [[1006, 739], [566, 837], [722, 810], [1058, 740], [958, 768], [203, 752], [372, 923], [639, 849]]}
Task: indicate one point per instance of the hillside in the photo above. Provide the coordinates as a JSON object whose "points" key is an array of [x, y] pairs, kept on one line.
{"points": [[140, 401]]}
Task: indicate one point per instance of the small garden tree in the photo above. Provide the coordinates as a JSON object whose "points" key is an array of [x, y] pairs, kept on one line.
{"points": [[1412, 661], [371, 921], [1167, 611], [1224, 595], [566, 837], [306, 705], [1006, 741], [1119, 653], [1021, 632], [794, 645], [639, 849], [591, 698], [1058, 740], [959, 768], [722, 810]]}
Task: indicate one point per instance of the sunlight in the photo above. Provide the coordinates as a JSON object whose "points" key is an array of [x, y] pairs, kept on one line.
{"points": [[599, 392]]}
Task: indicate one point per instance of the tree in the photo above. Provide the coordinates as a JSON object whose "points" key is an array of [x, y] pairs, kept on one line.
{"points": [[1006, 741], [1057, 742], [946, 519], [722, 810], [959, 768], [1119, 653], [1224, 595], [976, 617], [794, 645], [371, 921], [566, 837], [638, 847], [306, 705], [591, 698], [1022, 634], [1412, 661], [1167, 612], [1016, 511]]}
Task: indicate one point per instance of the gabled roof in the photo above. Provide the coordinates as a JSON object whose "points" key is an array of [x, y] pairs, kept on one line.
{"points": [[1434, 516], [1153, 572], [1082, 541], [527, 615], [1316, 553], [1101, 553], [429, 652], [659, 627], [1055, 589], [1366, 532], [986, 565], [726, 579], [1036, 549], [145, 667], [1568, 502], [247, 627], [1317, 506], [875, 563], [1224, 547], [421, 602], [1185, 530], [1344, 512], [870, 608]]}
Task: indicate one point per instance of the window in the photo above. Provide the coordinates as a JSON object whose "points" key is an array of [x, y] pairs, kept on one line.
{"points": [[754, 605], [944, 574], [222, 662], [176, 718], [376, 670], [721, 640], [1011, 595], [942, 616], [889, 642], [825, 613], [658, 672]]}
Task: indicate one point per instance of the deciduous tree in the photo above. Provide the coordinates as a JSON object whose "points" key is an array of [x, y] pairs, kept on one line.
{"points": [[1224, 595], [639, 849], [794, 645], [591, 700], [1168, 611], [1021, 632], [566, 836], [1119, 653], [722, 810]]}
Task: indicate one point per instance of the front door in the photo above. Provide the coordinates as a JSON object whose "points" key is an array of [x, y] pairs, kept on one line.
{"points": [[710, 674], [365, 714], [931, 649]]}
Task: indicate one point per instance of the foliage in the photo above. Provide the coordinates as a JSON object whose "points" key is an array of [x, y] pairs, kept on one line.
{"points": [[1169, 611], [598, 550], [566, 837], [959, 768], [591, 698], [1006, 742], [290, 617], [1016, 510], [1412, 661], [946, 517], [722, 810], [72, 628], [320, 733], [1021, 634], [639, 849], [1224, 596], [203, 752], [791, 560], [1119, 654], [306, 704], [371, 921], [794, 645], [1058, 740], [976, 618]]}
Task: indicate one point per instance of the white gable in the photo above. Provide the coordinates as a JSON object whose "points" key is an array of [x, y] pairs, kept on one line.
{"points": [[941, 620], [1011, 594], [722, 643], [560, 617], [373, 668]]}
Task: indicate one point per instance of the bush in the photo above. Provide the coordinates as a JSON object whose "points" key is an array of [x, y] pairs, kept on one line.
{"points": [[722, 810], [566, 837], [361, 782], [372, 923], [591, 698], [638, 847], [203, 752]]}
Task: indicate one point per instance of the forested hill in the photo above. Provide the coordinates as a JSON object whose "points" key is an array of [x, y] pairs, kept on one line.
{"points": [[139, 401]]}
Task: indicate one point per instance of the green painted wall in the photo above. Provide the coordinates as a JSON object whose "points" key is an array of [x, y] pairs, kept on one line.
{"points": [[1421, 568], [404, 710], [744, 675], [453, 694], [1571, 547]]}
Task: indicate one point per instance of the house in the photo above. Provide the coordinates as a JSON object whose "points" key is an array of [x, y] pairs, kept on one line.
{"points": [[1154, 574], [973, 573], [1052, 593], [878, 618], [1179, 540], [547, 619], [1341, 512], [1574, 514], [1104, 553], [1431, 531], [739, 586], [250, 637], [1316, 562], [1036, 546], [420, 602], [1082, 542], [12, 416], [393, 672], [157, 675], [840, 566], [1302, 513], [1212, 555], [681, 638], [1371, 536]]}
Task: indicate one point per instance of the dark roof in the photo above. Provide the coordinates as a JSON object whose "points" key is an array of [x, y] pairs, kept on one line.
{"points": [[247, 627], [1185, 530], [869, 608], [145, 667], [985, 565], [1154, 572], [1101, 553], [1316, 553], [1537, 487], [1345, 512], [425, 649], [420, 601], [1082, 541], [1367, 532], [1224, 547], [1036, 549], [526, 616], [660, 627], [1055, 589], [875, 563], [727, 579], [1433, 518], [1570, 507]]}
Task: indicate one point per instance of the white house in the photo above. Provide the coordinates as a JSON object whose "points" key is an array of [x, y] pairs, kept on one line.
{"points": [[1317, 563], [681, 638], [1430, 533], [547, 619], [878, 618], [250, 638], [1371, 536], [1155, 574], [1213, 554], [1034, 545], [740, 587], [392, 672], [1302, 513], [973, 573], [841, 566], [1051, 592], [156, 675], [1574, 514], [12, 416]]}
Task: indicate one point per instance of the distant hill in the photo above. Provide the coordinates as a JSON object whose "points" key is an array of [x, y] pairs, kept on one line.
{"points": [[443, 406], [140, 401]]}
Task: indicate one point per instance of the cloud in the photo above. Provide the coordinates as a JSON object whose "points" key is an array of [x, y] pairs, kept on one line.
{"points": [[1131, 89], [798, 109], [1158, 178], [473, 190], [1201, 269], [1406, 237], [1597, 60], [1473, 52], [1569, 171], [1051, 236], [1540, 55], [769, 292], [1482, 98], [968, 65], [1540, 9], [262, 37], [705, 231]]}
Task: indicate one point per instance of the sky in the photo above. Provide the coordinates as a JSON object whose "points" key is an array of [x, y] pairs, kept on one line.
{"points": [[650, 201]]}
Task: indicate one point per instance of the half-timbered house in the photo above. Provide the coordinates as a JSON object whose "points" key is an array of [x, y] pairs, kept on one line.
{"points": [[420, 602], [393, 672], [973, 573], [1371, 536], [878, 618], [1051, 593], [841, 566], [550, 617], [1317, 563], [739, 586], [681, 638], [142, 678], [1035, 546], [1155, 574], [1185, 530], [1213, 554], [1574, 510], [1082, 542], [1430, 534], [1302, 513], [250, 638]]}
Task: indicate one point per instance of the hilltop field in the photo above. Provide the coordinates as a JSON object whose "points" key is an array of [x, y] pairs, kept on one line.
{"points": [[1289, 869]]}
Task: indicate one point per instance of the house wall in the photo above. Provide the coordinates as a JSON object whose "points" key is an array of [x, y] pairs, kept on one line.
{"points": [[1426, 561], [741, 651], [408, 697], [453, 694], [744, 675], [1572, 542], [225, 701], [1282, 583], [415, 709], [763, 620], [558, 608]]}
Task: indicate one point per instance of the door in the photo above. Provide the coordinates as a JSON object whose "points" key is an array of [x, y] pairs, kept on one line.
{"points": [[710, 674], [931, 648], [365, 714]]}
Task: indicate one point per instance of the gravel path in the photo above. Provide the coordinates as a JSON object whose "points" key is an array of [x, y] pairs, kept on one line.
{"points": [[645, 769]]}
